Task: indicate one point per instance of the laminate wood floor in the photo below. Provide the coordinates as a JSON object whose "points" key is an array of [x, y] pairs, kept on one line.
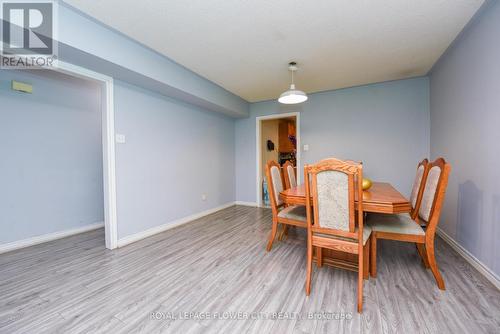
{"points": [[176, 281]]}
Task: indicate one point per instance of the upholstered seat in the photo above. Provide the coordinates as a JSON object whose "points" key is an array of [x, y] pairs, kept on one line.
{"points": [[366, 235], [295, 212], [394, 223]]}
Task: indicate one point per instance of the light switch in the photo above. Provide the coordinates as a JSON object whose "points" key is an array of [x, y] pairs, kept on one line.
{"points": [[120, 139], [306, 147]]}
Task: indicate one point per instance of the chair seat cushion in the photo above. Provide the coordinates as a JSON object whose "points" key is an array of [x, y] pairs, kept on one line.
{"points": [[295, 212], [394, 223], [366, 234]]}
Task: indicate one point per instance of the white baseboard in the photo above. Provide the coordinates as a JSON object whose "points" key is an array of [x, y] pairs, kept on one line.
{"points": [[4, 248], [161, 228], [252, 204], [484, 270]]}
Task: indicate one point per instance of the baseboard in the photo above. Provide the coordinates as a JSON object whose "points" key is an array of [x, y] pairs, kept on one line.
{"points": [[484, 270], [161, 228], [48, 237], [252, 204]]}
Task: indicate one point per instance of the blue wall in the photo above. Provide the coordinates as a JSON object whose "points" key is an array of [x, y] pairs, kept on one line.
{"points": [[384, 125], [174, 153], [50, 155], [465, 121]]}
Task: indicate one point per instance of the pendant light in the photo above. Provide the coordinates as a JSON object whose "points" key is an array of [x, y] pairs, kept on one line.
{"points": [[292, 96]]}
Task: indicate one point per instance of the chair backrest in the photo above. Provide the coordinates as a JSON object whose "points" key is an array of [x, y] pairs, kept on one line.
{"points": [[289, 175], [434, 192], [418, 187], [330, 197], [274, 185]]}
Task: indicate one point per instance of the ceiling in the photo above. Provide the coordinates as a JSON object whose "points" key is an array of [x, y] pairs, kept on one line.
{"points": [[245, 46]]}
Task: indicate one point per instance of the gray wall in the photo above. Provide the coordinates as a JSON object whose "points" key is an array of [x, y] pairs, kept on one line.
{"points": [[174, 152], [384, 125], [465, 128], [50, 155]]}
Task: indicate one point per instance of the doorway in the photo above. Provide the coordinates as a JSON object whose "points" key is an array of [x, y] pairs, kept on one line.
{"points": [[108, 145], [56, 133], [278, 139]]}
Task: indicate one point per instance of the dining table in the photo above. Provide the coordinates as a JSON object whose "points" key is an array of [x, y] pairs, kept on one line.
{"points": [[381, 197]]}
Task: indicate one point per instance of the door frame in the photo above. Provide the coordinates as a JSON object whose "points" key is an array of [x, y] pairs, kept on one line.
{"points": [[108, 145], [258, 123]]}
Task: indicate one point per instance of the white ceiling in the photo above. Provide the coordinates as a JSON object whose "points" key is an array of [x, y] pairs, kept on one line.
{"points": [[244, 46]]}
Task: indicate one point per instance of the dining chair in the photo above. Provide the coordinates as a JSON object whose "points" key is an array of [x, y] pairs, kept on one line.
{"points": [[289, 175], [285, 215], [417, 189], [332, 214], [403, 227], [415, 200]]}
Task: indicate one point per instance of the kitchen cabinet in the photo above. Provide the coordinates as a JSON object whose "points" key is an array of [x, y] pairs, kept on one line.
{"points": [[286, 129]]}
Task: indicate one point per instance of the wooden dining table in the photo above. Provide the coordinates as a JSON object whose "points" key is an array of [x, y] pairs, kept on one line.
{"points": [[380, 198]]}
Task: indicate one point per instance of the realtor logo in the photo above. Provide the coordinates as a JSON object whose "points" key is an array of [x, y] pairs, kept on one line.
{"points": [[28, 34]]}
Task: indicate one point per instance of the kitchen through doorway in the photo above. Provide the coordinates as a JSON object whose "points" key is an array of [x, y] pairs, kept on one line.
{"points": [[278, 140]]}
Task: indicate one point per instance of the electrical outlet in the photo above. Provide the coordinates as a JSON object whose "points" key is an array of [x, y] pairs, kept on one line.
{"points": [[203, 197], [306, 147]]}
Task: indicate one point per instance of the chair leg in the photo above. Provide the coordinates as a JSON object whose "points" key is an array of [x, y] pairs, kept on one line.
{"points": [[366, 260], [423, 254], [284, 232], [272, 236], [280, 234], [360, 281], [309, 268], [429, 246], [319, 256], [373, 255]]}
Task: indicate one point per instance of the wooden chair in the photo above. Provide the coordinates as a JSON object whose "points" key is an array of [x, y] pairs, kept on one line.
{"points": [[331, 215], [418, 187], [415, 200], [286, 215], [402, 227], [289, 175]]}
